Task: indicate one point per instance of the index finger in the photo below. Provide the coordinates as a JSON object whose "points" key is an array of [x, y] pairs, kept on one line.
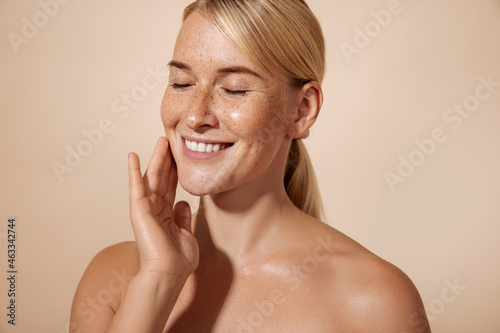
{"points": [[135, 182], [156, 175]]}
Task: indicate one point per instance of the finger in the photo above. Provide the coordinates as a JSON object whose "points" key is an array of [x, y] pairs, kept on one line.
{"points": [[182, 215], [171, 185], [160, 161], [169, 170], [135, 182]]}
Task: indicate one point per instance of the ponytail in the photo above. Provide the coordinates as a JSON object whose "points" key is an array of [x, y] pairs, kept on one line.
{"points": [[300, 181]]}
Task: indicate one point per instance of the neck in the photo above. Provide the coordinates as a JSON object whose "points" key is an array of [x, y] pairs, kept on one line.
{"points": [[244, 223]]}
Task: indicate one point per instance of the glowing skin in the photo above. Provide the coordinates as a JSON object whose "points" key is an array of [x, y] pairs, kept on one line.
{"points": [[217, 95], [263, 264]]}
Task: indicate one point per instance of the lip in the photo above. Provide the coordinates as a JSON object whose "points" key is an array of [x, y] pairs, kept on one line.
{"points": [[194, 155]]}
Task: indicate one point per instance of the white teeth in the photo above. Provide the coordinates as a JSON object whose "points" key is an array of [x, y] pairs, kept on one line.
{"points": [[202, 147]]}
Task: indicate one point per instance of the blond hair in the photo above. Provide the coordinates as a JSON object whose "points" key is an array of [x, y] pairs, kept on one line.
{"points": [[281, 36]]}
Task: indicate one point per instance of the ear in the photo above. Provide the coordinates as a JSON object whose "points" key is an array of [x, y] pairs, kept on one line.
{"points": [[307, 109]]}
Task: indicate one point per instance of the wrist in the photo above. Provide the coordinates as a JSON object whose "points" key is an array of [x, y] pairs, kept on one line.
{"points": [[148, 302], [155, 278]]}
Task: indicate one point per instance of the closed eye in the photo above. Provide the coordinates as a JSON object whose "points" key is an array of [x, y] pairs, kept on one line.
{"points": [[235, 92], [180, 86]]}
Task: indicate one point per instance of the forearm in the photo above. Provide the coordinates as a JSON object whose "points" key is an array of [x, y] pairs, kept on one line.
{"points": [[147, 304]]}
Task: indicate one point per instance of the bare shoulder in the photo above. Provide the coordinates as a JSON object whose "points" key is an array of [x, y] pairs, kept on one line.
{"points": [[382, 298], [370, 293], [120, 256], [103, 285]]}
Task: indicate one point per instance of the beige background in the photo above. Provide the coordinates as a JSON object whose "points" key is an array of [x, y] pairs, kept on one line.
{"points": [[441, 224]]}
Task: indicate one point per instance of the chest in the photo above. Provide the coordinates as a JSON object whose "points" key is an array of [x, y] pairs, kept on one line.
{"points": [[256, 304]]}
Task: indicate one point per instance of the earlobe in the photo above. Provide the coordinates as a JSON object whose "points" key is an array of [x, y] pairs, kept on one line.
{"points": [[309, 105]]}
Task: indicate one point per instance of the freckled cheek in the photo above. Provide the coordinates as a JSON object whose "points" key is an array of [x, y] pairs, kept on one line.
{"points": [[249, 122], [171, 111]]}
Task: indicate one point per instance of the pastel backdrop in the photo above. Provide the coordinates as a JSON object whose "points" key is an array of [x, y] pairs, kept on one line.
{"points": [[405, 150]]}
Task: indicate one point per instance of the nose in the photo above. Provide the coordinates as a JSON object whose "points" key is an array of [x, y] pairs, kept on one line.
{"points": [[200, 113]]}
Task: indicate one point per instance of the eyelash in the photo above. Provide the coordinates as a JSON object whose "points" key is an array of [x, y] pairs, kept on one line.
{"points": [[228, 91], [180, 86], [236, 92]]}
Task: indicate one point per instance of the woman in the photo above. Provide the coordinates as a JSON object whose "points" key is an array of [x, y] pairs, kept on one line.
{"points": [[244, 89]]}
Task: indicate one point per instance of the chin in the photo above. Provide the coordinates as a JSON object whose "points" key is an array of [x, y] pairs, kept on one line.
{"points": [[200, 186], [193, 190]]}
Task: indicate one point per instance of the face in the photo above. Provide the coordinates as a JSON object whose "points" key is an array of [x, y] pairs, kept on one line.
{"points": [[225, 118]]}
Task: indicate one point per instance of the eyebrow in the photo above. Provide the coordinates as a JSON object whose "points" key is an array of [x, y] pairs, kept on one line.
{"points": [[179, 65], [239, 69], [232, 69]]}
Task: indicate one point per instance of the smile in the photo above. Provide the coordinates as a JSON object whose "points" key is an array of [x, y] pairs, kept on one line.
{"points": [[202, 147]]}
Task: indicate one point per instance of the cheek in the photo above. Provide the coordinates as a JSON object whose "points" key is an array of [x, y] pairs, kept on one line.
{"points": [[170, 111], [259, 121]]}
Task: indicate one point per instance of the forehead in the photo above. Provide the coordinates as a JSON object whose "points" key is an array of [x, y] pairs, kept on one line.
{"points": [[201, 43]]}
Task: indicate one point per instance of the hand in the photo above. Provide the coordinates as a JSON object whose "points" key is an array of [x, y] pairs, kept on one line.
{"points": [[163, 232]]}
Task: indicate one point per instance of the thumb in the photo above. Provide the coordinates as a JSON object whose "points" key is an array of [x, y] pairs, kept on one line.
{"points": [[182, 215]]}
